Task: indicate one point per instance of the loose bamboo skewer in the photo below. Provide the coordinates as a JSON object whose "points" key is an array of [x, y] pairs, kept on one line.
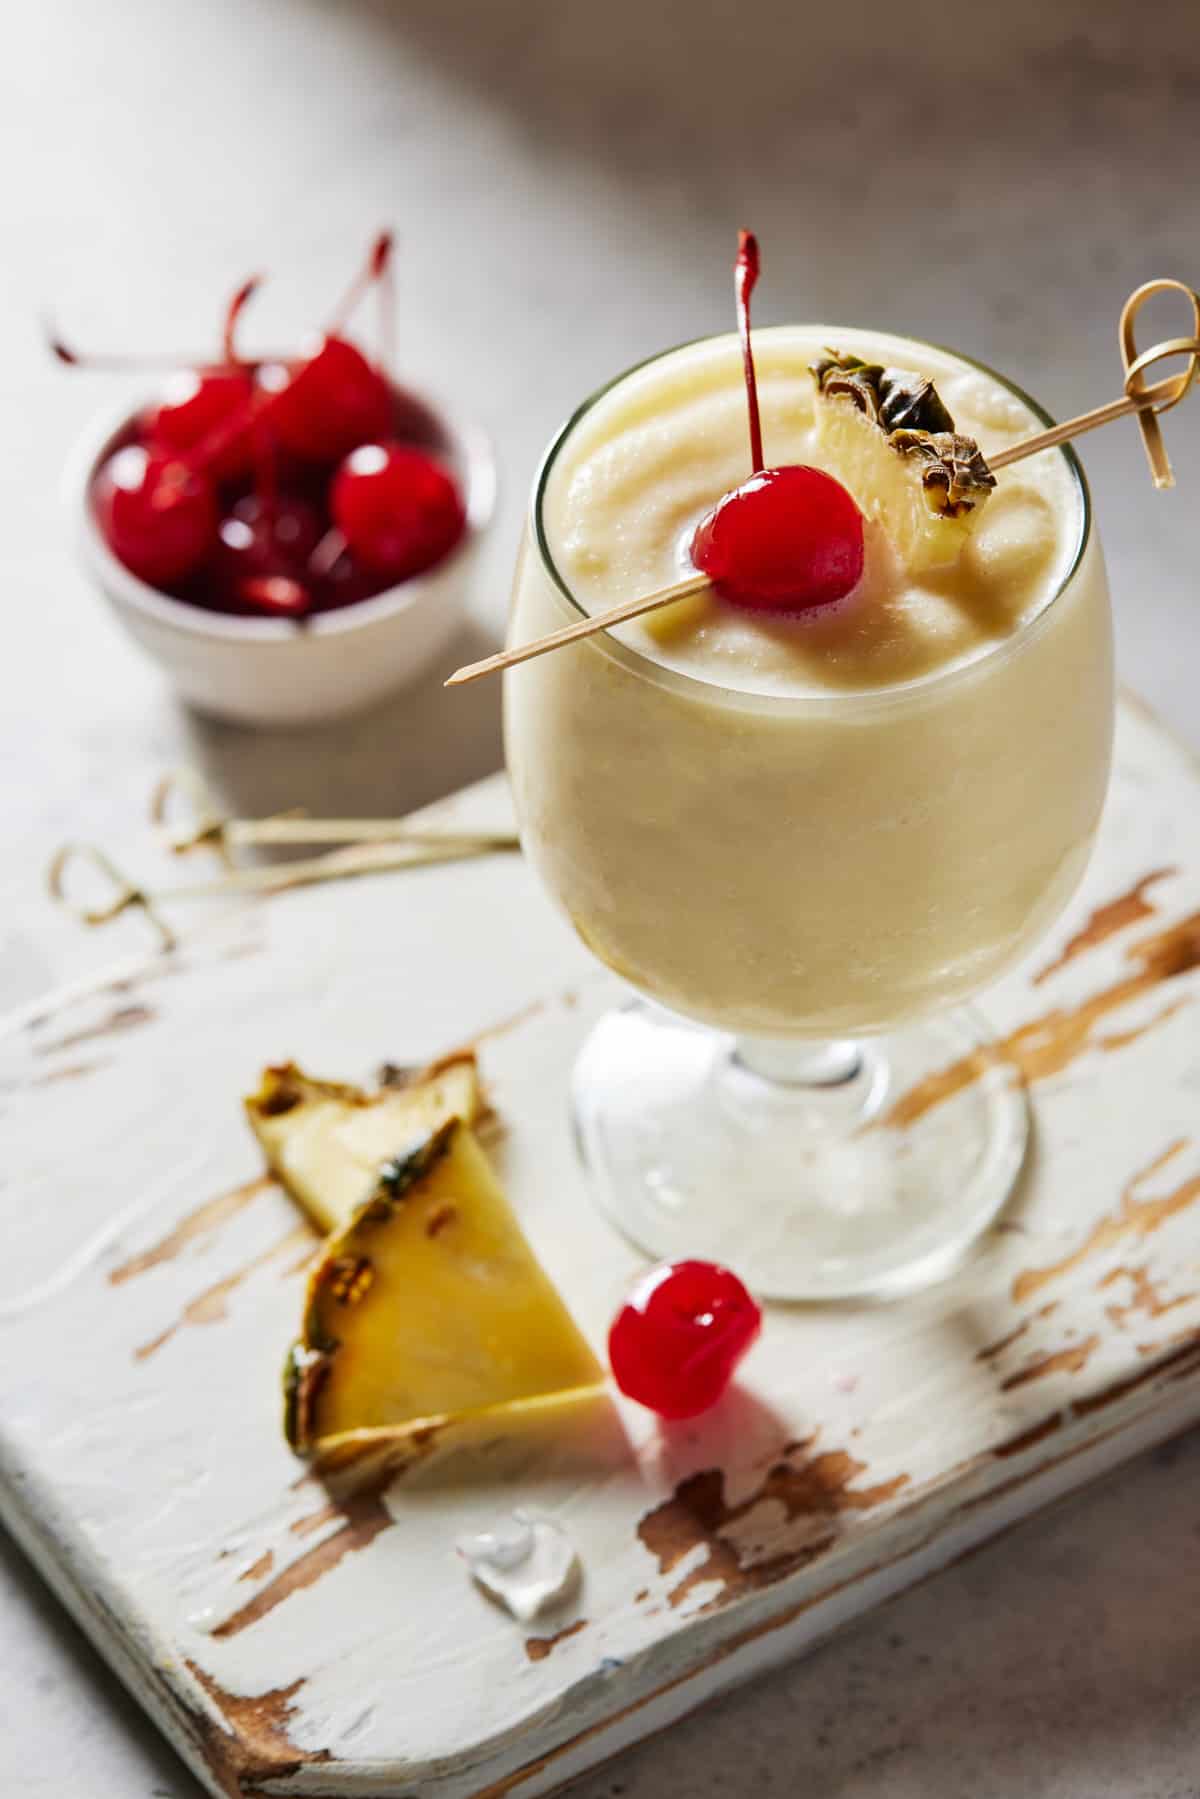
{"points": [[1145, 401], [343, 864], [207, 827]]}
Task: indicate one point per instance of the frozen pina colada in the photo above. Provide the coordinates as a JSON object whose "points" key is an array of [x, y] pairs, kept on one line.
{"points": [[826, 819]]}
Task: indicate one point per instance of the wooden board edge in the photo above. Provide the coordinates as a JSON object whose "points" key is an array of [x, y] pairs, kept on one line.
{"points": [[943, 1530]]}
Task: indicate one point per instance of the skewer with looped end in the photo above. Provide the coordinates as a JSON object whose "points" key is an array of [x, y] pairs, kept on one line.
{"points": [[125, 894], [1145, 399], [1148, 400], [203, 826]]}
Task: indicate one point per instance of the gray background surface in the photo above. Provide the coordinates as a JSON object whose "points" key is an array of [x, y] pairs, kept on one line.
{"points": [[566, 180]]}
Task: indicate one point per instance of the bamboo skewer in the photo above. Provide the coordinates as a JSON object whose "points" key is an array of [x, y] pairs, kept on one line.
{"points": [[343, 864], [1145, 401], [208, 828], [584, 627]]}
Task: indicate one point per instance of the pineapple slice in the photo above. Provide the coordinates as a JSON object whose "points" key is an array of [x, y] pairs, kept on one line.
{"points": [[326, 1142], [887, 437], [430, 1307]]}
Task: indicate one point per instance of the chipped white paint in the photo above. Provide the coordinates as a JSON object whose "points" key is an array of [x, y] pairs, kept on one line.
{"points": [[151, 1281]]}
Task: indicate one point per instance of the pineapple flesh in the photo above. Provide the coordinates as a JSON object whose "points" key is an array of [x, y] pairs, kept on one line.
{"points": [[326, 1141], [886, 435], [430, 1307]]}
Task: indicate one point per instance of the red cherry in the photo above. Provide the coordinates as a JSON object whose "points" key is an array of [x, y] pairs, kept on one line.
{"points": [[158, 515], [679, 1336], [195, 405], [277, 595], [262, 553], [787, 540], [326, 404], [345, 583], [398, 508]]}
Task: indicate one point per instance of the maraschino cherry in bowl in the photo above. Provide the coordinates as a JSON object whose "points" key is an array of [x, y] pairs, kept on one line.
{"points": [[289, 540]]}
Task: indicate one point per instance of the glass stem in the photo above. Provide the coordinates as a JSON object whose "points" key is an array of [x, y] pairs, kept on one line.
{"points": [[787, 1063]]}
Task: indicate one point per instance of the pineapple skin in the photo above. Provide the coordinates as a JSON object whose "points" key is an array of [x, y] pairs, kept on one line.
{"points": [[888, 488]]}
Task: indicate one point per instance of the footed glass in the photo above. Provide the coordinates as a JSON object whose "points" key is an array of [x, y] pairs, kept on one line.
{"points": [[801, 891]]}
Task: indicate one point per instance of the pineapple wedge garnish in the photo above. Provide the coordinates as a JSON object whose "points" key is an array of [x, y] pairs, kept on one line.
{"points": [[430, 1308], [888, 438], [326, 1141]]}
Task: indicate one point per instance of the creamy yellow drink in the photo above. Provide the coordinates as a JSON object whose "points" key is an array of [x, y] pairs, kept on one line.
{"points": [[821, 824]]}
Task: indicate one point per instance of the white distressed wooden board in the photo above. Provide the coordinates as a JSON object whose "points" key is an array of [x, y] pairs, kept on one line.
{"points": [[151, 1282]]}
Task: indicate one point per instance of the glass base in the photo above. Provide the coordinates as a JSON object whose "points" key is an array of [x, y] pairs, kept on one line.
{"points": [[777, 1157]]}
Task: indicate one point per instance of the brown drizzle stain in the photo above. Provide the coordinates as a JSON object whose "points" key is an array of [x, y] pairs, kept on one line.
{"points": [[501, 1028], [211, 1306], [145, 1350], [996, 1349], [1063, 1361], [410, 1074], [500, 1789], [121, 1018], [1135, 1218], [263, 1565], [255, 1746], [1117, 915], [363, 1517], [304, 1527], [538, 1648], [1177, 1365], [71, 1071], [815, 1491], [438, 1221], [1048, 1045], [208, 1217], [1120, 1039], [1144, 1295], [1037, 1433]]}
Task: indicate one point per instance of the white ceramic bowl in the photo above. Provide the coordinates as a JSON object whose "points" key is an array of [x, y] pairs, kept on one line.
{"points": [[270, 672]]}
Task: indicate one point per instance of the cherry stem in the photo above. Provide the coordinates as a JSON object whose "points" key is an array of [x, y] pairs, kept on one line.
{"points": [[117, 362], [233, 313], [250, 416], [326, 553], [111, 362], [376, 268], [745, 274], [386, 291]]}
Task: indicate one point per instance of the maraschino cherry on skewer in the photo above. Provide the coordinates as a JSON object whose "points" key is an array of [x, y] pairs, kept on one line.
{"points": [[791, 538], [1142, 399]]}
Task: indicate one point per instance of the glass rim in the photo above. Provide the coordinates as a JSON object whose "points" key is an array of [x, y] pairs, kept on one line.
{"points": [[860, 699]]}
